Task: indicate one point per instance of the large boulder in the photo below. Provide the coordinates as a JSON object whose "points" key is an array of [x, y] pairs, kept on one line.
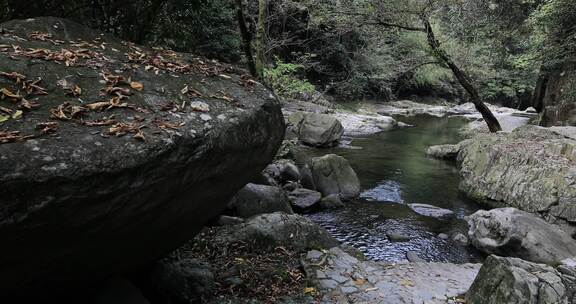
{"points": [[514, 281], [304, 199], [281, 229], [531, 168], [511, 232], [148, 147], [259, 199], [332, 174], [446, 152], [317, 130]]}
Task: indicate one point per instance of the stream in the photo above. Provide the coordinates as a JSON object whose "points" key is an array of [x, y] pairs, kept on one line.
{"points": [[394, 171]]}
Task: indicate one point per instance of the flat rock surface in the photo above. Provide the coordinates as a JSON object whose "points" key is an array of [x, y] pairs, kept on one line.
{"points": [[343, 278]]}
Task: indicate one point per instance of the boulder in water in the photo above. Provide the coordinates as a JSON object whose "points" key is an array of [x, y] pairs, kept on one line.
{"points": [[431, 211], [318, 130], [304, 199], [332, 174], [511, 232], [259, 199]]}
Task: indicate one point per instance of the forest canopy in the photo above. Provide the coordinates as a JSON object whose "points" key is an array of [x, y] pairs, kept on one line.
{"points": [[347, 48]]}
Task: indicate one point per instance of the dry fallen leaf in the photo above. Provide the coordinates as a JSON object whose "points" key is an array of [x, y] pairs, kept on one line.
{"points": [[136, 86], [47, 127]]}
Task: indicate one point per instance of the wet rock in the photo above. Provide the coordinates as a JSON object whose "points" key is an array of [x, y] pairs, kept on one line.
{"points": [[398, 236], [225, 220], [431, 211], [410, 108], [543, 177], [443, 236], [332, 174], [282, 171], [460, 239], [259, 199], [511, 232], [184, 281], [514, 281], [414, 257], [280, 229], [331, 201], [304, 199], [343, 278], [93, 191], [318, 130], [447, 152], [362, 124]]}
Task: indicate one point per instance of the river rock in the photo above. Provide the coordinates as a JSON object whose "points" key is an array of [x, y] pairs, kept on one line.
{"points": [[447, 152], [514, 281], [259, 199], [332, 174], [511, 232], [225, 220], [304, 199], [431, 211], [364, 124], [331, 201], [531, 168], [104, 196], [317, 130], [398, 236], [280, 229], [184, 281]]}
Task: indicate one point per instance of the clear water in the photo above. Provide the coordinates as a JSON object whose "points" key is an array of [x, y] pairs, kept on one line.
{"points": [[394, 171]]}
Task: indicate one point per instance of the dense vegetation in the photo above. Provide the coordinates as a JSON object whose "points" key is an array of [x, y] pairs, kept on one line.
{"points": [[353, 48]]}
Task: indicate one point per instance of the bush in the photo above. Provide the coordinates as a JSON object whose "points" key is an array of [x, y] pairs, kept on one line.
{"points": [[284, 79]]}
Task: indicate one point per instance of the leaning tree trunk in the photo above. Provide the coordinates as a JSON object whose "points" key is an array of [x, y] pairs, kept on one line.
{"points": [[260, 37], [462, 78], [246, 38]]}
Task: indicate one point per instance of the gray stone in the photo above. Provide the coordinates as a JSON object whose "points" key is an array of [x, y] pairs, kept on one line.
{"points": [[431, 211], [511, 232], [514, 281], [259, 199], [304, 199], [331, 201], [225, 220], [374, 282], [447, 152], [531, 168], [280, 229], [398, 236], [68, 199], [443, 236], [319, 130], [414, 257], [332, 174], [460, 239], [184, 281]]}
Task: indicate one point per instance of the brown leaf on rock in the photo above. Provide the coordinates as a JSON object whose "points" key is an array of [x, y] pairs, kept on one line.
{"points": [[106, 121], [165, 125], [12, 136], [13, 76], [5, 93], [27, 104], [118, 91], [47, 127], [74, 91], [138, 86], [122, 128], [114, 80], [66, 111]]}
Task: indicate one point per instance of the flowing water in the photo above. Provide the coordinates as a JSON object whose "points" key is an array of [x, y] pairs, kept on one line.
{"points": [[394, 172]]}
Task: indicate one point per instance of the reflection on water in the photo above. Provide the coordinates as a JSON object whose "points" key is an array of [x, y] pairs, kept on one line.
{"points": [[394, 171], [386, 191]]}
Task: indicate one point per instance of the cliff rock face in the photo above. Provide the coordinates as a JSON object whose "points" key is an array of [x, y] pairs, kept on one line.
{"points": [[532, 169], [555, 97], [112, 155]]}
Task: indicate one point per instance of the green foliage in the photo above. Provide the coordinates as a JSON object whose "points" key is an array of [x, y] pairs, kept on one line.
{"points": [[285, 81]]}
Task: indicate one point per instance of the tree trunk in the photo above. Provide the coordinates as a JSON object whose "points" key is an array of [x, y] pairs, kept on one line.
{"points": [[260, 37], [462, 78], [246, 38]]}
